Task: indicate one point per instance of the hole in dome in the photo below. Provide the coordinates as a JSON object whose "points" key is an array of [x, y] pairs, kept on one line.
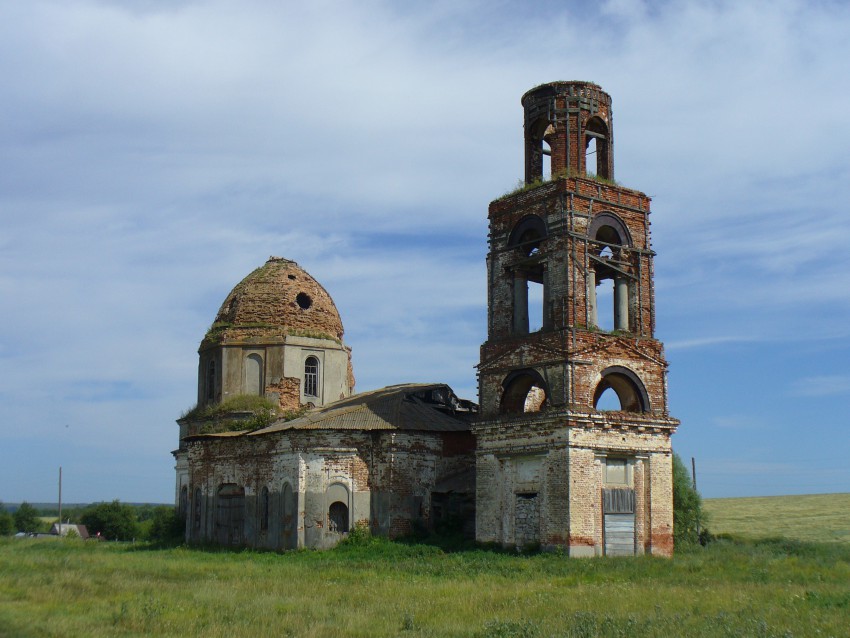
{"points": [[303, 300], [291, 276]]}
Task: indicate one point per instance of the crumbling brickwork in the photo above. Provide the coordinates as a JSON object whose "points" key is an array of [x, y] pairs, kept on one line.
{"points": [[276, 299], [386, 480], [573, 233], [382, 459], [288, 392]]}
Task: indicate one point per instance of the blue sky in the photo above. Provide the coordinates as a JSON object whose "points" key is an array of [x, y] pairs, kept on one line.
{"points": [[153, 153]]}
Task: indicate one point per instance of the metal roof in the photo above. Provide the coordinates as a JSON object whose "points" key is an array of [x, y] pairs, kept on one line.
{"points": [[431, 407]]}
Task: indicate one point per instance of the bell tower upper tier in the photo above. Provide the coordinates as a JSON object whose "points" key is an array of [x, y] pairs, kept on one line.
{"points": [[568, 131]]}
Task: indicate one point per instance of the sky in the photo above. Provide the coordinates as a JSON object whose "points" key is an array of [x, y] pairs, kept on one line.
{"points": [[152, 153]]}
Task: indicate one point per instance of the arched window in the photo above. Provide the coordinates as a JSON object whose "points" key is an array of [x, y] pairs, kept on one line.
{"points": [[183, 505], [264, 508], [627, 387], [196, 509], [253, 374], [311, 377], [524, 391], [338, 517], [210, 381]]}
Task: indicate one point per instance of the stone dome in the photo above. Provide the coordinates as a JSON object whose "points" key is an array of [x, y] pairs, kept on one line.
{"points": [[278, 299]]}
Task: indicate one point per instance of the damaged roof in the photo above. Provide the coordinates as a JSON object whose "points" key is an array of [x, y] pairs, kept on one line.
{"points": [[430, 407]]}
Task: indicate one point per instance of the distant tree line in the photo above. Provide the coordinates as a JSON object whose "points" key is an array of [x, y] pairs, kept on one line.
{"points": [[110, 521]]}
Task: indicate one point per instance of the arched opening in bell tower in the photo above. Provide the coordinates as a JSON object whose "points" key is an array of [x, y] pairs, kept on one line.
{"points": [[629, 393], [596, 148], [529, 275], [609, 278], [524, 391]]}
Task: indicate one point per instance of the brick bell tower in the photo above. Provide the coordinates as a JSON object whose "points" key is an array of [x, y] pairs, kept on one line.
{"points": [[574, 437]]}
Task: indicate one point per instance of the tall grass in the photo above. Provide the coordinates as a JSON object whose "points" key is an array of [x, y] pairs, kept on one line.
{"points": [[379, 588]]}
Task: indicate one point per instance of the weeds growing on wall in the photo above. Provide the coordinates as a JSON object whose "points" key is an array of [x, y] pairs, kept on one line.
{"points": [[238, 413]]}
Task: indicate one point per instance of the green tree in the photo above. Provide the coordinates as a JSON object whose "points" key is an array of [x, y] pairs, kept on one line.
{"points": [[688, 517], [114, 521], [7, 522], [26, 518], [166, 525]]}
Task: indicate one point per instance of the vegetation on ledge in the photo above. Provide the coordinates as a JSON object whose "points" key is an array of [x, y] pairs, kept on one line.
{"points": [[522, 187], [236, 414]]}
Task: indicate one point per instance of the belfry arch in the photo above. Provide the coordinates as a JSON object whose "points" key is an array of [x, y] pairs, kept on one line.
{"points": [[628, 387], [610, 260], [523, 391], [529, 275]]}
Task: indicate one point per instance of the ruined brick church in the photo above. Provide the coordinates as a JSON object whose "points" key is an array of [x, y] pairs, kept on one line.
{"points": [[570, 446]]}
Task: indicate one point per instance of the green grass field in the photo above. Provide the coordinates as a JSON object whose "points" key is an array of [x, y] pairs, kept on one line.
{"points": [[816, 517], [731, 588]]}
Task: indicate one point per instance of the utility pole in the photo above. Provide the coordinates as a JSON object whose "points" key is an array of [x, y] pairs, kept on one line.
{"points": [[60, 500], [694, 477], [694, 472]]}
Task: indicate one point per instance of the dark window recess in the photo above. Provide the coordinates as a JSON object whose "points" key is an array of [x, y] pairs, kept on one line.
{"points": [[197, 508], [183, 509], [211, 381], [264, 509]]}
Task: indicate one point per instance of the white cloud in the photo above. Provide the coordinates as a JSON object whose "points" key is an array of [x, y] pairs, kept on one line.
{"points": [[154, 153], [822, 386]]}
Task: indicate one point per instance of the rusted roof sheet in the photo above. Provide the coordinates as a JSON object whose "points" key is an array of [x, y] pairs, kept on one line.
{"points": [[397, 407], [215, 435]]}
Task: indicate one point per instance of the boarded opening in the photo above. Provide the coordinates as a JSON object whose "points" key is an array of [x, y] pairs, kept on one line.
{"points": [[619, 534], [618, 507], [527, 520], [230, 514]]}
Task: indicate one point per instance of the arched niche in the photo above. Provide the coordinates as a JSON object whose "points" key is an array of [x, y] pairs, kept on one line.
{"points": [[338, 508], [254, 374]]}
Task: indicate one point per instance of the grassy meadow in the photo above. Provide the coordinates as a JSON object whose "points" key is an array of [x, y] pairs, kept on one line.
{"points": [[763, 588], [814, 517]]}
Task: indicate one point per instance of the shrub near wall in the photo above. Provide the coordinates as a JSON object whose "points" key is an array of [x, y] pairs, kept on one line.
{"points": [[688, 517], [114, 521]]}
